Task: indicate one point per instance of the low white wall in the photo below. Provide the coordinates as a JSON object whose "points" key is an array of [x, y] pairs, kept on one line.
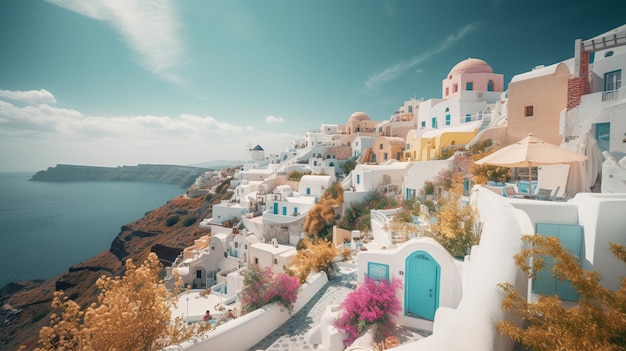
{"points": [[246, 331], [603, 217]]}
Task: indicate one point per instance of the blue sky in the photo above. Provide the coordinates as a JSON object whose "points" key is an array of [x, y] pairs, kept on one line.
{"points": [[125, 82]]}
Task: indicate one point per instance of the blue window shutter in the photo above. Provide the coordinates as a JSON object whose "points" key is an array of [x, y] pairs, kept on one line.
{"points": [[571, 238]]}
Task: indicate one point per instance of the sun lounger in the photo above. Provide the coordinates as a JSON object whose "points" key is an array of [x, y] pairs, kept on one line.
{"points": [[508, 191]]}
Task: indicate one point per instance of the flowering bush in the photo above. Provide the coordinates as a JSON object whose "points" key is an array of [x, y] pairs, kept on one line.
{"points": [[373, 302], [261, 286]]}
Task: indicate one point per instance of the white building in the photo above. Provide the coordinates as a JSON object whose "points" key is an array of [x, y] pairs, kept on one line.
{"points": [[597, 98], [461, 297], [360, 144], [272, 255]]}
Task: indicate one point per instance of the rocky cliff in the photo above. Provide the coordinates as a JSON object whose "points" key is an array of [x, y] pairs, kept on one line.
{"points": [[171, 174], [26, 305]]}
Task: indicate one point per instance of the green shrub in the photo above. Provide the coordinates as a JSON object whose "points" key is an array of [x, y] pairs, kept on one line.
{"points": [[189, 220], [295, 176], [171, 220]]}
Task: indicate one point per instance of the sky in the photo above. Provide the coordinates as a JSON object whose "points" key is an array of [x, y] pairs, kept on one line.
{"points": [[124, 82]]}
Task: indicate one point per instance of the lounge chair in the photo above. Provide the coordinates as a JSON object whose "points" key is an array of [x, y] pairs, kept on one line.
{"points": [[543, 194], [555, 197], [508, 191]]}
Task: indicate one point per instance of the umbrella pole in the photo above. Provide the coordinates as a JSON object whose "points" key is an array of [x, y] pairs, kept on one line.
{"points": [[530, 181]]}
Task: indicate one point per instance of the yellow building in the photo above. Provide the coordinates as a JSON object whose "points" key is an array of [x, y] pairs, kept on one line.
{"points": [[434, 141]]}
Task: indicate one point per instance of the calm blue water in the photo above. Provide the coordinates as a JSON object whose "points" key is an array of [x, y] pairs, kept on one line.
{"points": [[47, 227]]}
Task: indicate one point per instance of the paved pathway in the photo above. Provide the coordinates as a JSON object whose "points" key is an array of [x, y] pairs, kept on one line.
{"points": [[291, 336]]}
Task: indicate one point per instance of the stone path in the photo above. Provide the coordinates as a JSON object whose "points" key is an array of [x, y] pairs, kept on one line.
{"points": [[291, 335]]}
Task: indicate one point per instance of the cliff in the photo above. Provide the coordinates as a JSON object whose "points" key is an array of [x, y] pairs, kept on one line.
{"points": [[171, 174], [26, 305]]}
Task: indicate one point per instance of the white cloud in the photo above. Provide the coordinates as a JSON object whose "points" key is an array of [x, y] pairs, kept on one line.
{"points": [[149, 27], [35, 137], [273, 119], [41, 96], [392, 72]]}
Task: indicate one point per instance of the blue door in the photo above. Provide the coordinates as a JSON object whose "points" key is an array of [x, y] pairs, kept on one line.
{"points": [[275, 208], [421, 289], [571, 237]]}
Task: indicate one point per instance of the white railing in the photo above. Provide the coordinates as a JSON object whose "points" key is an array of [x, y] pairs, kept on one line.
{"points": [[610, 95]]}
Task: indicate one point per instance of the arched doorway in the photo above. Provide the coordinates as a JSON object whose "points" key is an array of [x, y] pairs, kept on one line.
{"points": [[421, 285]]}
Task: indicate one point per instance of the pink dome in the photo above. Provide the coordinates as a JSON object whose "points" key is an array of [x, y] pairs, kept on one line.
{"points": [[359, 116], [471, 65]]}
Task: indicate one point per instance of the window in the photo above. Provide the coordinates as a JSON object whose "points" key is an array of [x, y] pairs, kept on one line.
{"points": [[358, 179], [408, 146], [433, 122], [490, 85], [256, 260], [198, 274], [613, 80], [528, 111], [423, 124], [410, 108], [378, 271], [295, 210], [468, 117], [284, 210], [308, 191], [398, 156], [469, 86], [236, 245], [275, 260], [447, 91], [385, 157], [455, 88], [381, 146], [447, 120]]}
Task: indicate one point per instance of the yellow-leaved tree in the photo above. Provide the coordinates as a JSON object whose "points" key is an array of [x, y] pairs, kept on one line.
{"points": [[454, 228], [313, 256], [132, 312], [597, 322], [321, 216]]}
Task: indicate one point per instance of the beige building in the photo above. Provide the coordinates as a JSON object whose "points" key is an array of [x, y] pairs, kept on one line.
{"points": [[387, 148], [536, 99]]}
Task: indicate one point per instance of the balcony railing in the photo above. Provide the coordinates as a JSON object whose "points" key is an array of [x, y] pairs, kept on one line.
{"points": [[610, 95]]}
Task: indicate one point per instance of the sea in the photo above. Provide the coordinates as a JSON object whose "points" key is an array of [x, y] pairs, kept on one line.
{"points": [[46, 227]]}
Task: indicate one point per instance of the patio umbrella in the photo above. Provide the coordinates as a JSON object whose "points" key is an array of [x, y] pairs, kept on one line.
{"points": [[531, 152]]}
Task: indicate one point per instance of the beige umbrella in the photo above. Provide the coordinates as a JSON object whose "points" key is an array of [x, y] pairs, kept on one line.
{"points": [[531, 152]]}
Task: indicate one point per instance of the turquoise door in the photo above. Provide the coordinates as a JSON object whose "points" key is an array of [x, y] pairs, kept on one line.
{"points": [[275, 208], [571, 237], [421, 286]]}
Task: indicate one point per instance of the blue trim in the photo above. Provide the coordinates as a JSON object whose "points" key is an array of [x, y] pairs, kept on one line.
{"points": [[374, 265]]}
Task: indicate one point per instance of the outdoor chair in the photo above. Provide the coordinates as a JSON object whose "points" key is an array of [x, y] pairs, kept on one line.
{"points": [[543, 194], [555, 196], [508, 191]]}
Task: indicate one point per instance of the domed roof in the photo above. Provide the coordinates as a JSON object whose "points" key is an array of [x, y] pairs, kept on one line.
{"points": [[471, 65], [359, 116]]}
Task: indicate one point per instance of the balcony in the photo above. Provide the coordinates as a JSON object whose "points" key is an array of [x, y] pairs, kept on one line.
{"points": [[610, 95]]}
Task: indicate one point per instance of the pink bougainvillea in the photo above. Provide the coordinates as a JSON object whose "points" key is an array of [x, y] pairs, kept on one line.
{"points": [[262, 286], [373, 302]]}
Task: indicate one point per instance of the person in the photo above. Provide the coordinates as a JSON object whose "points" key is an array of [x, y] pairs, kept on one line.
{"points": [[231, 314], [207, 316]]}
